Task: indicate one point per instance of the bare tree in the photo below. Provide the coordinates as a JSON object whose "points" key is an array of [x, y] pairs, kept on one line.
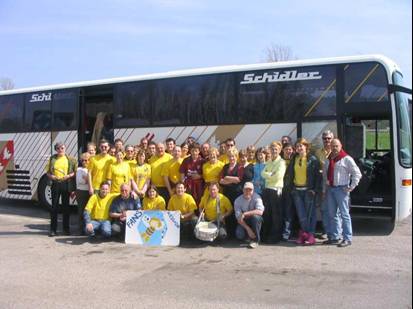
{"points": [[6, 83], [277, 52]]}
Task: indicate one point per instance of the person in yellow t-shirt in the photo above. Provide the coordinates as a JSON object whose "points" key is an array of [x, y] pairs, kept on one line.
{"points": [[186, 204], [152, 200], [156, 163], [118, 173], [130, 155], [60, 170], [141, 174], [217, 208], [96, 214], [99, 165], [170, 170]]}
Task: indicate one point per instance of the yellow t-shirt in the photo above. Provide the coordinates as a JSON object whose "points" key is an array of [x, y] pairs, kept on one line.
{"points": [[131, 163], [98, 207], [185, 204], [118, 174], [61, 166], [98, 168], [157, 203], [156, 166], [211, 172], [171, 169], [300, 172], [141, 173], [224, 158], [210, 206]]}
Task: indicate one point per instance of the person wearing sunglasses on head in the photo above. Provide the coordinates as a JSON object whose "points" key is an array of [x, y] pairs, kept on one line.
{"points": [[83, 182], [303, 179]]}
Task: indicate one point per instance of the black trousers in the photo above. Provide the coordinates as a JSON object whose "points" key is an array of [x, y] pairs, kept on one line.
{"points": [[273, 216], [82, 197], [60, 190]]}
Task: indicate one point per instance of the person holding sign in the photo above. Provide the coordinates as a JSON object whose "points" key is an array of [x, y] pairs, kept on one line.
{"points": [[186, 204], [217, 208], [122, 203], [96, 214]]}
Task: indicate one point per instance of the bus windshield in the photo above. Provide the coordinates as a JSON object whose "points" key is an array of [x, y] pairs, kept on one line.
{"points": [[404, 126]]}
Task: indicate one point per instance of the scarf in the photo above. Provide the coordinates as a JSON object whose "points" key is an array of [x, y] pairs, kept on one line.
{"points": [[331, 166]]}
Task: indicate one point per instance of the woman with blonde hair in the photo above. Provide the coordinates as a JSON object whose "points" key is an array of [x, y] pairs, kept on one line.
{"points": [[304, 180]]}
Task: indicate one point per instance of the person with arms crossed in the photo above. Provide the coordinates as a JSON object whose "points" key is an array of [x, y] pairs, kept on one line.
{"points": [[341, 175], [61, 170]]}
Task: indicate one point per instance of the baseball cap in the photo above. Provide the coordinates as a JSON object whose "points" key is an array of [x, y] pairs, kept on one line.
{"points": [[249, 185]]}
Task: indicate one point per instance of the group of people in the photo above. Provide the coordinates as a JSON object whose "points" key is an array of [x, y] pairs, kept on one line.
{"points": [[252, 194]]}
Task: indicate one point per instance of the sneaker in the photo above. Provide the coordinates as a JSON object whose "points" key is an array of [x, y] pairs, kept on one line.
{"points": [[331, 242], [52, 234], [253, 245], [344, 243], [300, 240], [310, 239]]}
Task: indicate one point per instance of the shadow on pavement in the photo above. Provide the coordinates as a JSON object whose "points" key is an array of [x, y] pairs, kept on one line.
{"points": [[22, 208]]}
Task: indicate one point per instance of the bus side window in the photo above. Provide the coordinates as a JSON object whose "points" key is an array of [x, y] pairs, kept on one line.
{"points": [[37, 113]]}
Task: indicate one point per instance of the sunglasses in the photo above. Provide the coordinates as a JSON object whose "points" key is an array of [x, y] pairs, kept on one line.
{"points": [[327, 138]]}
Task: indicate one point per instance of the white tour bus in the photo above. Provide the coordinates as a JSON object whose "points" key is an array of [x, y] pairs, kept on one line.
{"points": [[361, 99]]}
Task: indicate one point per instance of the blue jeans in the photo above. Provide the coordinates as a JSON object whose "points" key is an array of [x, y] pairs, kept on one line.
{"points": [[339, 199], [103, 226], [304, 202], [255, 223]]}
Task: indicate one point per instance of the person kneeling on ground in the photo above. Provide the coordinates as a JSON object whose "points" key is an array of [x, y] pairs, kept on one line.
{"points": [[248, 211], [186, 204], [96, 214], [217, 207], [122, 203]]}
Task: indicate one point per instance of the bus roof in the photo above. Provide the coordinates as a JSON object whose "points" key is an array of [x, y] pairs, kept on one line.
{"points": [[390, 66]]}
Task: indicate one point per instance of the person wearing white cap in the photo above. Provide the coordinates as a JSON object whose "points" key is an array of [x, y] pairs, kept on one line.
{"points": [[248, 211]]}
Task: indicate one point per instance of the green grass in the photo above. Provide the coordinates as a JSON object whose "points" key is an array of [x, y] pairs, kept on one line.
{"points": [[383, 140]]}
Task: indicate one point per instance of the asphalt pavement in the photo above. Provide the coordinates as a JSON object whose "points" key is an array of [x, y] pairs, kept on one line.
{"points": [[37, 271]]}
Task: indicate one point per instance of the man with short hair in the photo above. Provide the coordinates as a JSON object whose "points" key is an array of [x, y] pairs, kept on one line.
{"points": [[120, 205], [170, 145], [99, 166], [61, 170], [341, 176], [249, 209], [119, 144], [322, 155], [170, 170], [205, 151], [285, 139], [157, 163], [96, 214]]}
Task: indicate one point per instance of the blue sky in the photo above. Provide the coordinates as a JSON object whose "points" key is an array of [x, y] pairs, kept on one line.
{"points": [[44, 42]]}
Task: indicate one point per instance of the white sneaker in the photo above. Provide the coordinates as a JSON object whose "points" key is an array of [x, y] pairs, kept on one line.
{"points": [[253, 245]]}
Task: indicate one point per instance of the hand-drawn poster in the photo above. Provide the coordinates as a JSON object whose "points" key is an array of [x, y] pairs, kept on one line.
{"points": [[152, 228]]}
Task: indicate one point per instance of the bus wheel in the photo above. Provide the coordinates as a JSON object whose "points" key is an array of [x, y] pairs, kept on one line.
{"points": [[44, 193]]}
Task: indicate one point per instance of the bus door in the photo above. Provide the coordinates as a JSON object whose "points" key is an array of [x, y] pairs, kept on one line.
{"points": [[368, 141], [96, 110]]}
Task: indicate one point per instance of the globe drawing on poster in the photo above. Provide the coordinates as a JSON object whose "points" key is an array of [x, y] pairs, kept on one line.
{"points": [[152, 228]]}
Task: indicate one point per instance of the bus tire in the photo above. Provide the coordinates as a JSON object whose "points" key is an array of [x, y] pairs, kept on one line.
{"points": [[44, 193]]}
